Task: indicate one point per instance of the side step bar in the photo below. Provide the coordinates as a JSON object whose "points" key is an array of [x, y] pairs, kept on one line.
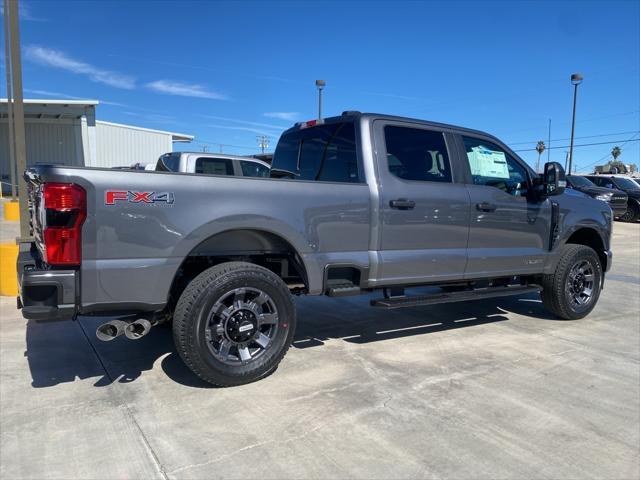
{"points": [[450, 297]]}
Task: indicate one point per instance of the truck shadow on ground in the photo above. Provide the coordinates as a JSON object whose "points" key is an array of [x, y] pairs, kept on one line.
{"points": [[68, 351]]}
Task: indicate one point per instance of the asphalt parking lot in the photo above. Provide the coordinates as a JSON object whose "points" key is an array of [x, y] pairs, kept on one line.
{"points": [[491, 389]]}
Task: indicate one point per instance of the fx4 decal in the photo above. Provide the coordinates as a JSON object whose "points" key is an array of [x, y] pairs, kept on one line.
{"points": [[144, 198]]}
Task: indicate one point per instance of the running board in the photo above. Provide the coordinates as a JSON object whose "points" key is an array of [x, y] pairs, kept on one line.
{"points": [[450, 297]]}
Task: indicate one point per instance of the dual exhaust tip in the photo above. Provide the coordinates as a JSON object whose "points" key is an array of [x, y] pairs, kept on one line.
{"points": [[132, 330]]}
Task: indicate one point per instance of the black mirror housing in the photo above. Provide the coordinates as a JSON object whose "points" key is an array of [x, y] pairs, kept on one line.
{"points": [[554, 179]]}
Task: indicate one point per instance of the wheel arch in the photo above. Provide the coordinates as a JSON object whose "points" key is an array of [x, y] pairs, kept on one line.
{"points": [[590, 237], [253, 245]]}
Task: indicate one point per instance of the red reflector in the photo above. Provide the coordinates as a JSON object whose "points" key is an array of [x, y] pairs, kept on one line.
{"points": [[63, 244]]}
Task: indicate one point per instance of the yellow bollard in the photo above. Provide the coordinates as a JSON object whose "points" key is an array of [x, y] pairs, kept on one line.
{"points": [[8, 275], [12, 211]]}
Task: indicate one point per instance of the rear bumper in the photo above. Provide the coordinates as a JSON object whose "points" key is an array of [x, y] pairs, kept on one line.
{"points": [[45, 295]]}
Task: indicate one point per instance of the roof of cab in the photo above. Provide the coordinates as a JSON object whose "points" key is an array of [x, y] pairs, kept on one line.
{"points": [[382, 116]]}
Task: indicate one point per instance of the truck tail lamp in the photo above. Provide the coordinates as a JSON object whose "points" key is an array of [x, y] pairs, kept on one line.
{"points": [[65, 206]]}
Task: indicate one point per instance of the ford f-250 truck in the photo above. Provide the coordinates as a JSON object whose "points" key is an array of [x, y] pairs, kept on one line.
{"points": [[355, 203]]}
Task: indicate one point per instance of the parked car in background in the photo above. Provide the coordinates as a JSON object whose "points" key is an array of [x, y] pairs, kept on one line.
{"points": [[212, 164], [616, 199], [624, 183]]}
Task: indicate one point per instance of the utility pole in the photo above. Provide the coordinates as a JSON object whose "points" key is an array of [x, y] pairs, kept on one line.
{"points": [[18, 116], [7, 58], [263, 142]]}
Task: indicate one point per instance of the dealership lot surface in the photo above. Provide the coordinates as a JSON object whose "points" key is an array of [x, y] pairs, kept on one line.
{"points": [[491, 389]]}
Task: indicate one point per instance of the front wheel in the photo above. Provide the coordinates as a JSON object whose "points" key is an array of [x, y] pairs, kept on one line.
{"points": [[572, 291], [632, 214], [234, 323]]}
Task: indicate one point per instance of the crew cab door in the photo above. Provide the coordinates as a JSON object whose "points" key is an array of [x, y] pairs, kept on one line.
{"points": [[510, 226], [423, 223]]}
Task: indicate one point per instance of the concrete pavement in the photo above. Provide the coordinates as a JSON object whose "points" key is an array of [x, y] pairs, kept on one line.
{"points": [[491, 389]]}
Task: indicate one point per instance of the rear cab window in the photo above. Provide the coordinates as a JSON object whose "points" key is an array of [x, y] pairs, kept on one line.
{"points": [[214, 166], [253, 169], [324, 153], [169, 162]]}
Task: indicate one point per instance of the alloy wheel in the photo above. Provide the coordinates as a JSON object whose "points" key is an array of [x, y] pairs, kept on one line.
{"points": [[241, 326]]}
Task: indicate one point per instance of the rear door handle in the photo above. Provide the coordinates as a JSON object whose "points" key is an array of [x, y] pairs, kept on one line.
{"points": [[402, 204], [485, 207]]}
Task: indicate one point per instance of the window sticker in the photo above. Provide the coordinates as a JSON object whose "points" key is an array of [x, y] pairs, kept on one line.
{"points": [[487, 163]]}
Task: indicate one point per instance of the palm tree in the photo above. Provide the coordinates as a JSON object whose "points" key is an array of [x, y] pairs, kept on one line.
{"points": [[615, 152], [540, 146]]}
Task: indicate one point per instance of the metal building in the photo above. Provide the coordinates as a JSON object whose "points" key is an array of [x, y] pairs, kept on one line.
{"points": [[67, 132]]}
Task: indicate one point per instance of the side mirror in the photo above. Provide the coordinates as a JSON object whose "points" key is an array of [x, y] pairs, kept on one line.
{"points": [[554, 180]]}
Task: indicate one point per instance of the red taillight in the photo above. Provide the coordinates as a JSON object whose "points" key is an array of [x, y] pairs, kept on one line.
{"points": [[66, 209]]}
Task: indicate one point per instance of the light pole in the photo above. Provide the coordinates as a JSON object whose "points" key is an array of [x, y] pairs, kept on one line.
{"points": [[320, 84], [576, 79]]}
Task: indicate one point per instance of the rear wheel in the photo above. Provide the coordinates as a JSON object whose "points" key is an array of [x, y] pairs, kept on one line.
{"points": [[234, 323], [573, 289]]}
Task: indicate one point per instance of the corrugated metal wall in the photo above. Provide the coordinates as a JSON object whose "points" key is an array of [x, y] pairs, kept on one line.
{"points": [[120, 146], [47, 141]]}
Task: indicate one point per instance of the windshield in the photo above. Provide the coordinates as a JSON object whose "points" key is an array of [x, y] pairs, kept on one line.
{"points": [[626, 183], [579, 181]]}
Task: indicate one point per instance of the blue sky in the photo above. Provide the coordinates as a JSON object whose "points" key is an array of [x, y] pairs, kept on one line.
{"points": [[228, 71]]}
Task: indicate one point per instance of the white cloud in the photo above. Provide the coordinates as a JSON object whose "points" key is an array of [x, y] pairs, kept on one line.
{"points": [[52, 95], [184, 90], [245, 122], [244, 129], [57, 59], [290, 116]]}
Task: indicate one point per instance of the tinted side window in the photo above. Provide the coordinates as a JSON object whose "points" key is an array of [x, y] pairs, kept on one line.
{"points": [[490, 165], [169, 162], [417, 154], [214, 166], [324, 153], [253, 169], [312, 150], [340, 162]]}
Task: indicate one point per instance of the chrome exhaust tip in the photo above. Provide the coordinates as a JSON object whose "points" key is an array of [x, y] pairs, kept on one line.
{"points": [[110, 330], [138, 329]]}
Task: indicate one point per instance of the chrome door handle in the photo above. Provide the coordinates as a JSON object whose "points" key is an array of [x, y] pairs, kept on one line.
{"points": [[402, 204], [485, 207]]}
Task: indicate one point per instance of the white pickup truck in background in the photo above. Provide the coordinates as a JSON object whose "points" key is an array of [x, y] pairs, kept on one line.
{"points": [[212, 164]]}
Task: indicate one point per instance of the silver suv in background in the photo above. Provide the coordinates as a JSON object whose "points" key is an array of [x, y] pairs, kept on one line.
{"points": [[212, 164]]}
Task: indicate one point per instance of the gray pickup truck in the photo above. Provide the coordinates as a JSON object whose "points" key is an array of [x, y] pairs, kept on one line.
{"points": [[355, 203]]}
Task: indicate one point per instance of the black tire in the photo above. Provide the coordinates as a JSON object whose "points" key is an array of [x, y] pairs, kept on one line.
{"points": [[202, 323], [560, 291], [633, 212]]}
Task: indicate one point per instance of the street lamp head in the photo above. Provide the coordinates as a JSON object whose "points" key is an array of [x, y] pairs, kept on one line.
{"points": [[320, 84], [576, 78]]}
